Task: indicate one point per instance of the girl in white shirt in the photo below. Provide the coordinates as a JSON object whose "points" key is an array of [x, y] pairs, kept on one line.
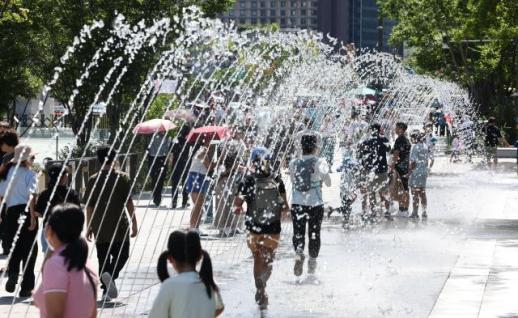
{"points": [[189, 294]]}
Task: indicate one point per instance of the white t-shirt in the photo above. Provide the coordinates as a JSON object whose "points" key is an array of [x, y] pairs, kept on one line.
{"points": [[197, 163], [320, 175], [185, 296]]}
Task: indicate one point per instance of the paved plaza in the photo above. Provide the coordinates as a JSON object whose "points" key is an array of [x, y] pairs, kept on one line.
{"points": [[463, 262]]}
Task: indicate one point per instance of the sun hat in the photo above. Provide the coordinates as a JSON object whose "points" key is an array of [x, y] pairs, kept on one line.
{"points": [[22, 152]]}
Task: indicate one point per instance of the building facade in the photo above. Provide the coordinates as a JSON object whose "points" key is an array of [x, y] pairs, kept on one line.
{"points": [[350, 21]]}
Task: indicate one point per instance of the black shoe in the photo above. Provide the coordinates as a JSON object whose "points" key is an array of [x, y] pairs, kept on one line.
{"points": [[424, 215], [25, 293], [10, 286], [261, 299], [414, 215]]}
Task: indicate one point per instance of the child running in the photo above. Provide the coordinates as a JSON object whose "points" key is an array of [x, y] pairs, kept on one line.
{"points": [[307, 175], [265, 197]]}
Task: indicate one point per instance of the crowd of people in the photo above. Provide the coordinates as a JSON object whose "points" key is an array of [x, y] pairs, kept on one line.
{"points": [[240, 179]]}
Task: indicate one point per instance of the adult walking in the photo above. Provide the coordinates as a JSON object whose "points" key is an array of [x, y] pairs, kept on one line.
{"points": [[493, 138], [372, 156], [400, 166], [18, 190], [159, 147], [198, 181], [189, 294], [419, 156], [68, 287], [8, 141], [181, 159], [107, 197], [265, 197], [308, 173]]}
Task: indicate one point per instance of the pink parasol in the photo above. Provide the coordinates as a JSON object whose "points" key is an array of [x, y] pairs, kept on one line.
{"points": [[211, 132], [152, 126]]}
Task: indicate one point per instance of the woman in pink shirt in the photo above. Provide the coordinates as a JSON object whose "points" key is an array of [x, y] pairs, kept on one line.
{"points": [[69, 285]]}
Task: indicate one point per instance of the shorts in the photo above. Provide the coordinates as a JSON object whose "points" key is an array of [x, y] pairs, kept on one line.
{"points": [[197, 183], [256, 242], [403, 177], [379, 182]]}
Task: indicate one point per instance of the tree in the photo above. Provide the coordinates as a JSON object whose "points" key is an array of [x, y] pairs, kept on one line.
{"points": [[472, 42], [56, 23], [18, 77]]}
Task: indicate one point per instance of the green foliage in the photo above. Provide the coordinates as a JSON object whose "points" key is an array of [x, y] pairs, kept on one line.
{"points": [[474, 42], [34, 37], [18, 77]]}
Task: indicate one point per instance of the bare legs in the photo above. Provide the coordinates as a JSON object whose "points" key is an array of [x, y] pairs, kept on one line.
{"points": [[197, 198], [419, 197]]}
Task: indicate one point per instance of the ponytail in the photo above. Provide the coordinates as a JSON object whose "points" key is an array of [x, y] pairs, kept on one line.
{"points": [[193, 254], [206, 274], [75, 254], [161, 267], [67, 220], [186, 248]]}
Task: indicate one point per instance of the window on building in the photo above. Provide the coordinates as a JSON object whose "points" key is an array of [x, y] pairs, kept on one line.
{"points": [[314, 21], [264, 20], [283, 13], [273, 12], [303, 12], [253, 5], [253, 13], [262, 4], [283, 4], [273, 4], [242, 12], [293, 4], [314, 12], [253, 20], [242, 21], [262, 13], [283, 22], [273, 20], [293, 12], [293, 21]]}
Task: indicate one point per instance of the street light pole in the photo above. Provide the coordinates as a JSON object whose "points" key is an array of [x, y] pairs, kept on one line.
{"points": [[380, 29]]}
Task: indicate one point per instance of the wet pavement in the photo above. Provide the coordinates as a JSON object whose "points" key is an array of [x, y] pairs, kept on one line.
{"points": [[462, 262]]}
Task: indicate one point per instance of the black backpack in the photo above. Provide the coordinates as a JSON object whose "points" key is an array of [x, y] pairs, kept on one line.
{"points": [[267, 205], [304, 168]]}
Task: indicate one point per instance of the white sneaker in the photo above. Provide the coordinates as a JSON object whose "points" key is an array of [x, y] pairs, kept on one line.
{"points": [[107, 280], [402, 214]]}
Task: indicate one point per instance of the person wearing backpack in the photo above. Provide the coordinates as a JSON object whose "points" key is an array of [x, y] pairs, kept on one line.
{"points": [[265, 197], [307, 175]]}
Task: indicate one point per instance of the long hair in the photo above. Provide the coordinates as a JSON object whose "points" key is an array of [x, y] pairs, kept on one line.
{"points": [[67, 220], [185, 248]]}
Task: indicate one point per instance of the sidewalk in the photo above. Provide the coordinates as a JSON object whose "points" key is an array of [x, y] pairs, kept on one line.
{"points": [[463, 262]]}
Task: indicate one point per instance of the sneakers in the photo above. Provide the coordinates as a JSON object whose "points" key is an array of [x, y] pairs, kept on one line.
{"points": [[261, 299], [105, 298], [25, 293], [388, 215], [414, 215], [10, 286], [312, 265], [299, 264], [424, 215], [111, 289]]}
